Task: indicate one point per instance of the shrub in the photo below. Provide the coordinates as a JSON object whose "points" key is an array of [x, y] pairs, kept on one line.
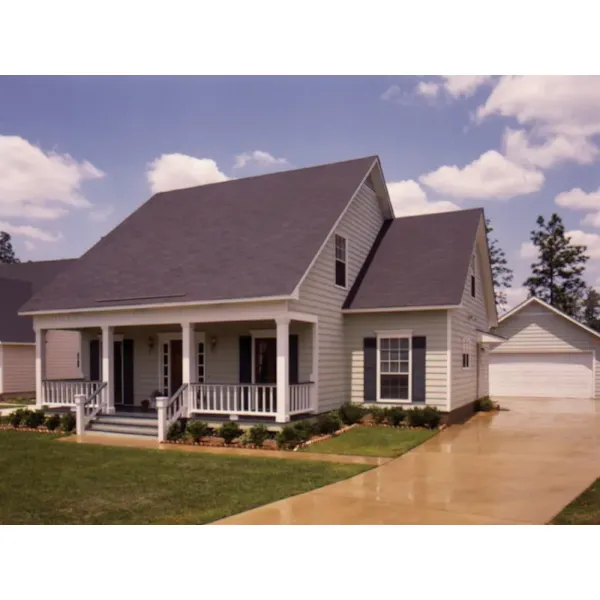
{"points": [[326, 424], [415, 417], [258, 435], [197, 429], [175, 431], [52, 421], [230, 431], [484, 404], [287, 438], [395, 416], [304, 430], [34, 419], [431, 417], [18, 416], [378, 414], [351, 413], [68, 422]]}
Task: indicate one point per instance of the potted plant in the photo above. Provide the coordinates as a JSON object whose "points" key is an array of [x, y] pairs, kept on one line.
{"points": [[145, 404]]}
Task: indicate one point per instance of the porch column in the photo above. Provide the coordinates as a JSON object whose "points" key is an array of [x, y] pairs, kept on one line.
{"points": [[188, 355], [314, 376], [108, 366], [40, 366], [283, 359]]}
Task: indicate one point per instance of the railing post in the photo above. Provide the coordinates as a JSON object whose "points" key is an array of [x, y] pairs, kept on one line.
{"points": [[314, 388], [40, 366], [80, 413], [161, 409]]}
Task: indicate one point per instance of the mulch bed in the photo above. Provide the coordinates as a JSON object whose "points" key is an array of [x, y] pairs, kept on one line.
{"points": [[36, 429]]}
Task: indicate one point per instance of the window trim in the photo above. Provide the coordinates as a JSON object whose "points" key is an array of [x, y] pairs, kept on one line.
{"points": [[164, 338], [345, 262], [400, 335]]}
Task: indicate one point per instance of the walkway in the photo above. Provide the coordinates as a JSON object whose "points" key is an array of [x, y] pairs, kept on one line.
{"points": [[522, 465]]}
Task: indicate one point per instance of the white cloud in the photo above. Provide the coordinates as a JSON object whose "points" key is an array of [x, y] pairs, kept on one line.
{"points": [[519, 148], [392, 93], [263, 159], [528, 250], [40, 185], [567, 105], [592, 219], [100, 215], [429, 89], [29, 245], [409, 198], [490, 176], [175, 171], [591, 240], [29, 232], [514, 296], [578, 199], [464, 85]]}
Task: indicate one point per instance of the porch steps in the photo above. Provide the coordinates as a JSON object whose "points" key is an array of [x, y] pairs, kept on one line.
{"points": [[125, 425]]}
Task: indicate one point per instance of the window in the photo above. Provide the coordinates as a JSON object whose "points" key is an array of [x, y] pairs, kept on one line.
{"points": [[466, 357], [473, 286], [394, 368], [165, 369], [340, 261], [200, 362]]}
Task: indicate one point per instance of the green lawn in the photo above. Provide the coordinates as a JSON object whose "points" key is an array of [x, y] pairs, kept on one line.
{"points": [[584, 510], [44, 481], [373, 441]]}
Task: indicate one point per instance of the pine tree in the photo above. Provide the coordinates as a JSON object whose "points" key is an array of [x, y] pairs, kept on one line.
{"points": [[591, 309], [7, 254], [502, 274], [557, 274]]}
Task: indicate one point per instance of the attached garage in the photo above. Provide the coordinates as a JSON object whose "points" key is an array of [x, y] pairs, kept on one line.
{"points": [[555, 375], [546, 355]]}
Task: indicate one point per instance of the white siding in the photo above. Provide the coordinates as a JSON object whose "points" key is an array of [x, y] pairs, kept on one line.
{"points": [[431, 324], [472, 315], [320, 296], [536, 328], [62, 349], [18, 367]]}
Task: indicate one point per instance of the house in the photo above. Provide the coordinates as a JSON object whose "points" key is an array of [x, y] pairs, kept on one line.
{"points": [[275, 297], [547, 354], [17, 339]]}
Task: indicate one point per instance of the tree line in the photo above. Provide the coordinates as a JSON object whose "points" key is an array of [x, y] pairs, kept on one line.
{"points": [[557, 274]]}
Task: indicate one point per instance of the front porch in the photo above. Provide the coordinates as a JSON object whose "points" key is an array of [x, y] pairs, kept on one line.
{"points": [[240, 370]]}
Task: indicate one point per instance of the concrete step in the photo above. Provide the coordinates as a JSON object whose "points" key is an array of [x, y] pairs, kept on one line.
{"points": [[117, 428], [128, 420]]}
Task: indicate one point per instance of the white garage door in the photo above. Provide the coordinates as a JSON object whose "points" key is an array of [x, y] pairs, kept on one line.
{"points": [[542, 375]]}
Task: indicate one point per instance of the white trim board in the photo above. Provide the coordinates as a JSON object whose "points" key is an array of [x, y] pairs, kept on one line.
{"points": [[398, 309]]}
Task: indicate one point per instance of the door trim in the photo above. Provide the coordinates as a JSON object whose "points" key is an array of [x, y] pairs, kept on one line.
{"points": [[167, 338]]}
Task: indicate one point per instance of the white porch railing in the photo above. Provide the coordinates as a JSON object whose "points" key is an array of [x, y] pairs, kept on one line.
{"points": [[176, 405], [89, 407], [63, 392], [301, 398], [237, 398]]}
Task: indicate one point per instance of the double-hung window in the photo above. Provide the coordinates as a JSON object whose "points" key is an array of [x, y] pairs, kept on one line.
{"points": [[340, 261], [394, 369], [466, 354]]}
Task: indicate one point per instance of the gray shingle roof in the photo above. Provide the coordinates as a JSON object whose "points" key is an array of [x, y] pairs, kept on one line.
{"points": [[418, 261], [17, 283], [245, 238]]}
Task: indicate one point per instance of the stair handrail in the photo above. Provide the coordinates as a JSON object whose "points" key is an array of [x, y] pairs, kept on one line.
{"points": [[91, 411], [175, 406]]}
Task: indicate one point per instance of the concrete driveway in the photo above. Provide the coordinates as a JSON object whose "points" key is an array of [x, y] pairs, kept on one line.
{"points": [[520, 465]]}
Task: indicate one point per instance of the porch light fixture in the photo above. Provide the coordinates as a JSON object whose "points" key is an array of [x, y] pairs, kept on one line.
{"points": [[213, 342], [150, 343]]}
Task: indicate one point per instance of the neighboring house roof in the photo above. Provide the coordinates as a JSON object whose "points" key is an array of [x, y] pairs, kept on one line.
{"points": [[18, 282], [240, 239], [419, 261], [560, 313]]}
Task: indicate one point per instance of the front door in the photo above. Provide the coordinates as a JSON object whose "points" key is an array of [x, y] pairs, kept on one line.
{"points": [[122, 368], [265, 360], [176, 362]]}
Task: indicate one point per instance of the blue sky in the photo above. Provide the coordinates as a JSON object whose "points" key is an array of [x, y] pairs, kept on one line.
{"points": [[79, 154]]}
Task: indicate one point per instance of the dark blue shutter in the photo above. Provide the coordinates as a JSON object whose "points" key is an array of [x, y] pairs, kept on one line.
{"points": [[370, 369], [245, 359], [419, 351], [118, 371], [128, 372], [94, 360], [293, 370]]}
